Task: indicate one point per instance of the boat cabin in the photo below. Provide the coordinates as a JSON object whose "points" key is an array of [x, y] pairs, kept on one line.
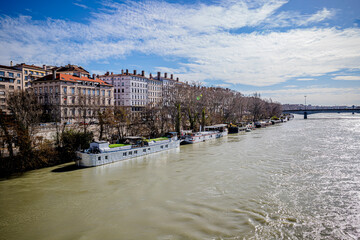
{"points": [[217, 127]]}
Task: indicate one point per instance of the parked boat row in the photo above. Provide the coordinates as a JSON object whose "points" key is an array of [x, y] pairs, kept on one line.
{"points": [[101, 152]]}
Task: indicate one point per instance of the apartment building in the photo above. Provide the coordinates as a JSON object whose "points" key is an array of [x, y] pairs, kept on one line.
{"points": [[130, 89], [167, 89], [155, 90], [69, 98], [10, 81], [31, 73]]}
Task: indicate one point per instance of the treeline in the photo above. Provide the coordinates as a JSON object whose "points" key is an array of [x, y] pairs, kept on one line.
{"points": [[184, 107], [21, 149]]}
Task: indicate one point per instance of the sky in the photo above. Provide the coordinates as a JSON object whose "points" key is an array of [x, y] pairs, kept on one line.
{"points": [[284, 50]]}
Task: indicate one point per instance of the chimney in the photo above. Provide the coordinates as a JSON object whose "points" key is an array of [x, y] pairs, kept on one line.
{"points": [[159, 74], [94, 76], [127, 71], [11, 64], [143, 73], [150, 75], [112, 73], [107, 73], [122, 71], [172, 76], [44, 67], [165, 75], [134, 72], [177, 79], [54, 73]]}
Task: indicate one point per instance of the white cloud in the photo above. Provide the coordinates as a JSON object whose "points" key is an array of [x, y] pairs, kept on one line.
{"points": [[351, 78], [198, 33], [293, 18], [81, 5], [305, 79]]}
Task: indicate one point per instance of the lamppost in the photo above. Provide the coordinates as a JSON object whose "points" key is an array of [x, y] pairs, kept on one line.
{"points": [[305, 113]]}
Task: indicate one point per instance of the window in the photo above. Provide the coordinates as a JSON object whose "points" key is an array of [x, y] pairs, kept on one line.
{"points": [[2, 73], [51, 89], [135, 152], [122, 90], [103, 92], [26, 72], [122, 84], [144, 150], [130, 153], [65, 90], [161, 146], [11, 87], [109, 93], [99, 158], [93, 92], [26, 77], [124, 154], [40, 90], [106, 157], [11, 74], [18, 81], [98, 92], [72, 90]]}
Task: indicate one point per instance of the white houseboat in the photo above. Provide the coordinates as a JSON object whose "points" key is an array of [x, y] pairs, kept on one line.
{"points": [[211, 132], [100, 153]]}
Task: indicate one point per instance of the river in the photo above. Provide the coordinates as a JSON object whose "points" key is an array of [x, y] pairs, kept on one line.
{"points": [[297, 180]]}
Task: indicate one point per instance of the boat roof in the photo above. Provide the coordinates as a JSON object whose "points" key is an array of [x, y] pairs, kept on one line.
{"points": [[100, 142], [216, 126], [134, 137]]}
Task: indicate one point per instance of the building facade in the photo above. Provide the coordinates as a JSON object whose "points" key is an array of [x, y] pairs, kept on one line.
{"points": [[130, 89], [10, 81], [31, 73], [71, 99]]}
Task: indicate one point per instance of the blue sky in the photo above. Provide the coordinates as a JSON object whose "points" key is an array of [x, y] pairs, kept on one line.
{"points": [[281, 49]]}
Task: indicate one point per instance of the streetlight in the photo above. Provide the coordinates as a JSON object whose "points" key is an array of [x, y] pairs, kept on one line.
{"points": [[305, 101]]}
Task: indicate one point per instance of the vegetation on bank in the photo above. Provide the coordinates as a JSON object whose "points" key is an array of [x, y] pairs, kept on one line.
{"points": [[186, 106]]}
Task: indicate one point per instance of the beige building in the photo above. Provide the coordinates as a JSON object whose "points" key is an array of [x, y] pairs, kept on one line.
{"points": [[10, 81], [31, 73], [71, 98]]}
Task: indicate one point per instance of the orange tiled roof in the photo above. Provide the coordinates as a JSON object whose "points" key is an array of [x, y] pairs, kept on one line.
{"points": [[71, 78]]}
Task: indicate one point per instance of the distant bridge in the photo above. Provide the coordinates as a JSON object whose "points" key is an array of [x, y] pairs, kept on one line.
{"points": [[306, 112]]}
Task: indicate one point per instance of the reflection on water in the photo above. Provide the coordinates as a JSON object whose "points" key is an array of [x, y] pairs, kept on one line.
{"points": [[296, 180]]}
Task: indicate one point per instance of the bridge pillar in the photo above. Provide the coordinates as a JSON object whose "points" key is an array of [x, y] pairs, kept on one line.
{"points": [[305, 115]]}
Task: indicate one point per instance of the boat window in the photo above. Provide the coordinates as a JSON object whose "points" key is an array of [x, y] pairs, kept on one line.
{"points": [[162, 146], [144, 150], [124, 154], [166, 146], [99, 158], [106, 157], [149, 149], [135, 152], [130, 153]]}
